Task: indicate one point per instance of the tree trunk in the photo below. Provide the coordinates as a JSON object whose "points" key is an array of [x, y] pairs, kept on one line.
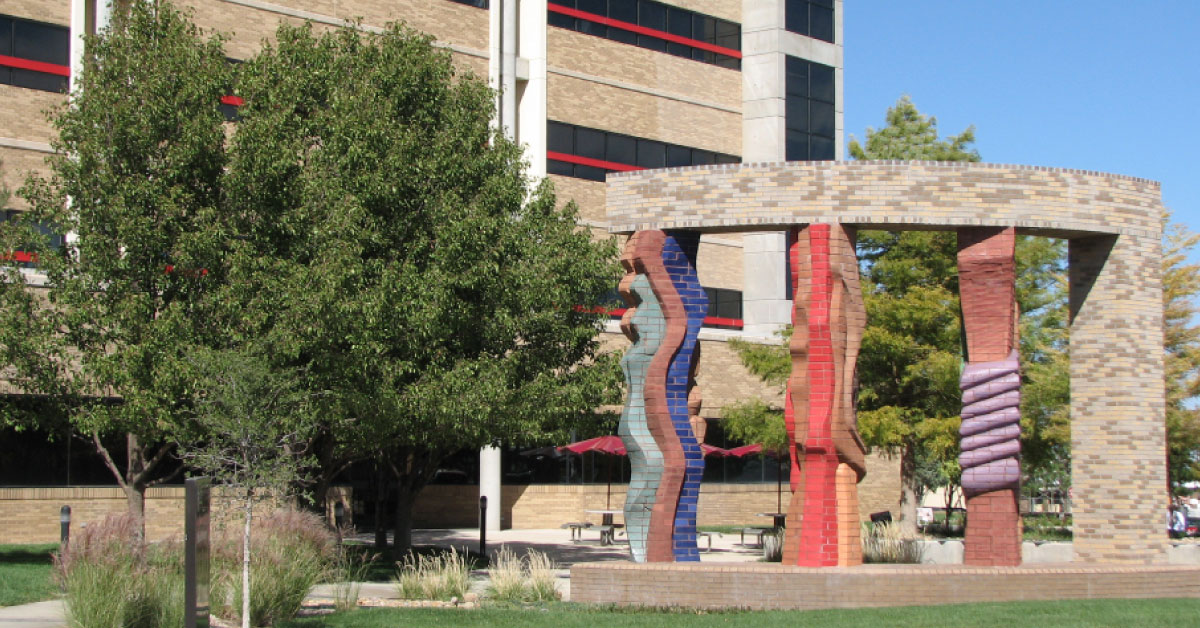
{"points": [[381, 495], [910, 492], [412, 468], [249, 511], [135, 479]]}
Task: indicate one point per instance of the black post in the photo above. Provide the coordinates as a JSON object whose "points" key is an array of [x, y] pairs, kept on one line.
{"points": [[195, 551], [483, 524], [64, 520]]}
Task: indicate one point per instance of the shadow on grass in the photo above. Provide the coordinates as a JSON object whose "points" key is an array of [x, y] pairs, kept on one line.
{"points": [[42, 554]]}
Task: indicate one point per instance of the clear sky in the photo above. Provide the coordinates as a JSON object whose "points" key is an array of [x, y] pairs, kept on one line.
{"points": [[1100, 85]]}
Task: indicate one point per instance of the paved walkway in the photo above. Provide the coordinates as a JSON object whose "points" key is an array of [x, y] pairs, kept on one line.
{"points": [[556, 544]]}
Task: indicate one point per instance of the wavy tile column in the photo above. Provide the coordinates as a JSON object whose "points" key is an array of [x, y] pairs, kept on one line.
{"points": [[991, 385], [644, 325], [828, 319], [679, 260], [667, 308]]}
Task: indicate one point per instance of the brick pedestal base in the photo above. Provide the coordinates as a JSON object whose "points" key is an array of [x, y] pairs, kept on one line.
{"points": [[993, 530]]}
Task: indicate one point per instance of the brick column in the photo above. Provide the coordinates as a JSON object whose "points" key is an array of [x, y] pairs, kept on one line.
{"points": [[1118, 435], [828, 321], [991, 382], [644, 325], [667, 307]]}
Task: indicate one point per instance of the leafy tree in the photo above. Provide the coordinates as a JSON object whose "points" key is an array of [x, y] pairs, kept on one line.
{"points": [[251, 424], [135, 184], [1181, 342], [392, 247], [909, 367], [911, 352]]}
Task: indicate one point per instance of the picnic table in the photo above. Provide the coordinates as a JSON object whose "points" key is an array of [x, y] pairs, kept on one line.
{"points": [[607, 527]]}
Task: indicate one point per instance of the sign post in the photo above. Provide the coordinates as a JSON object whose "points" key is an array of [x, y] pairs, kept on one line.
{"points": [[197, 496]]}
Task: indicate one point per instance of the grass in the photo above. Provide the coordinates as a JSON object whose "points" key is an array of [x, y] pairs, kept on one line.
{"points": [[1089, 613], [25, 573]]}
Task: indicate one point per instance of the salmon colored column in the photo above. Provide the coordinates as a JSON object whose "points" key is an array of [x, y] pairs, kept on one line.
{"points": [[828, 319], [991, 429]]}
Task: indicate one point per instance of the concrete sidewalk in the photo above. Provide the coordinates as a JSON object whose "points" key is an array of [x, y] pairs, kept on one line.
{"points": [[48, 614]]}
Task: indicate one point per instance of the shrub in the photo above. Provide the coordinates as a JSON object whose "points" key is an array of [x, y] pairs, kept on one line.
{"points": [[290, 551], [114, 578], [528, 579], [434, 577], [349, 572], [885, 543]]}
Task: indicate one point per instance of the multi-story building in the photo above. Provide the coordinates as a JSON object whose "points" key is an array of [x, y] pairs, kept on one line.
{"points": [[590, 87]]}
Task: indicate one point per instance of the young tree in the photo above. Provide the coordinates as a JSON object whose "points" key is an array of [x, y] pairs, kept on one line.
{"points": [[1181, 342], [134, 183], [394, 249], [251, 424]]}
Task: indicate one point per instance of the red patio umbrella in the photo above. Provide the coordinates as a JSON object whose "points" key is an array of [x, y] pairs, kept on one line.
{"points": [[613, 445]]}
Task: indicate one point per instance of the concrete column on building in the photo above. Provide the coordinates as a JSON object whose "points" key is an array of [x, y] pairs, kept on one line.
{"points": [[766, 44], [502, 75], [88, 17], [531, 84], [1118, 435]]}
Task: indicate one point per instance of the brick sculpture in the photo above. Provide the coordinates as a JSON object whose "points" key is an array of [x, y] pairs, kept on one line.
{"points": [[991, 385], [828, 456], [666, 308]]}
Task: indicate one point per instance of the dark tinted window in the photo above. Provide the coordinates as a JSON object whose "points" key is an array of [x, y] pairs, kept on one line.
{"points": [[34, 41], [589, 143], [811, 120], [621, 149], [813, 18], [657, 16], [483, 4], [559, 138], [651, 154]]}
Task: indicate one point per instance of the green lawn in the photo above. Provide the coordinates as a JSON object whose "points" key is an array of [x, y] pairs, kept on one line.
{"points": [[25, 573], [1089, 613]]}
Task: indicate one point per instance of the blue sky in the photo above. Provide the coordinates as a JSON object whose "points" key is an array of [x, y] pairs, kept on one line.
{"points": [[1095, 85]]}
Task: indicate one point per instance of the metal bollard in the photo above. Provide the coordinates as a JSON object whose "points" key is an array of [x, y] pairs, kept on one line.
{"points": [[64, 520], [483, 524]]}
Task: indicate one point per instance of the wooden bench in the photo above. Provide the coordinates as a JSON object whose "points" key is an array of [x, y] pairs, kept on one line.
{"points": [[757, 532], [577, 528]]}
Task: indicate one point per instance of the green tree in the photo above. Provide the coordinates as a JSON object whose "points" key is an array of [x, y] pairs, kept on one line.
{"points": [[911, 352], [392, 246], [251, 426], [1181, 343], [135, 183]]}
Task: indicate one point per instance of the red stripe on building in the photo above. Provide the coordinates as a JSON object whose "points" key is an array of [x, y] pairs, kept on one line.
{"points": [[642, 30], [36, 66], [587, 161], [620, 311]]}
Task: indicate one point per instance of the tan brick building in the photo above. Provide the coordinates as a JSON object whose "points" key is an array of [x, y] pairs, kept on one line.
{"points": [[590, 87]]}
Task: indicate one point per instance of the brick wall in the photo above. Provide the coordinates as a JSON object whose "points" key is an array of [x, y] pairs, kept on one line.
{"points": [[765, 586], [1113, 223]]}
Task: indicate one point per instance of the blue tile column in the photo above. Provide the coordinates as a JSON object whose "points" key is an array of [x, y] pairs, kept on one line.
{"points": [[679, 259]]}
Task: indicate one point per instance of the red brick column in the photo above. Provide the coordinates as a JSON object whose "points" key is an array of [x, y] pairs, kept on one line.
{"points": [[991, 396], [819, 414]]}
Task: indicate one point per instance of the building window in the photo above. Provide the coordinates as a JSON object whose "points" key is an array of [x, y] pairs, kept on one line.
{"points": [[34, 54], [26, 256], [813, 18], [482, 4], [810, 117], [653, 25], [725, 305], [583, 153]]}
